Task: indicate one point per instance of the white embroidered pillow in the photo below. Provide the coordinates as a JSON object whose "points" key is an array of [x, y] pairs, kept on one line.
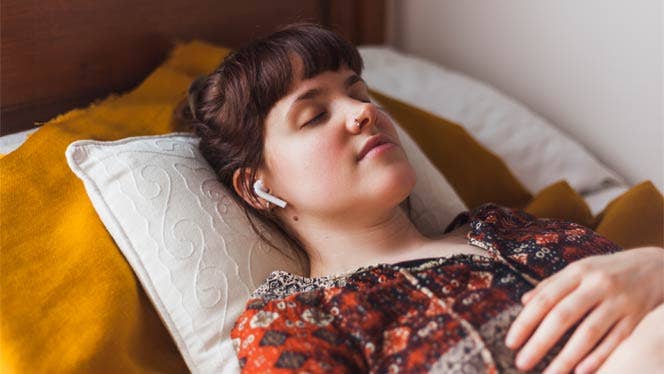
{"points": [[189, 243]]}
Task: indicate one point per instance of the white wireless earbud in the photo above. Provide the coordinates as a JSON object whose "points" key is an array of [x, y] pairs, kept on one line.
{"points": [[259, 188]]}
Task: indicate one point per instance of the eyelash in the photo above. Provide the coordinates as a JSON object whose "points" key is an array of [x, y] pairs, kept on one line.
{"points": [[315, 119], [323, 113]]}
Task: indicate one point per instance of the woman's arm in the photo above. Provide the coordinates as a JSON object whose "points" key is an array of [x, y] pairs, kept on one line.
{"points": [[607, 294]]}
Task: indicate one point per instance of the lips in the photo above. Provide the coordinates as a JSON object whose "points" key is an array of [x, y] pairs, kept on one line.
{"points": [[373, 142]]}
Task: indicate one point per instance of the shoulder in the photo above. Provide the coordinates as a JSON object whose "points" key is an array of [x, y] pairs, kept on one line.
{"points": [[269, 307], [540, 246], [267, 331], [295, 332]]}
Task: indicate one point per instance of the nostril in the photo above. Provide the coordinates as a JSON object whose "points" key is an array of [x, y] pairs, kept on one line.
{"points": [[359, 124]]}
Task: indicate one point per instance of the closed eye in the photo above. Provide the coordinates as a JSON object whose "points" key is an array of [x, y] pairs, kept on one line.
{"points": [[321, 115], [315, 120]]}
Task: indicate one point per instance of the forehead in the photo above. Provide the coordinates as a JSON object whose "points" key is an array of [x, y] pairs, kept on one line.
{"points": [[298, 82]]}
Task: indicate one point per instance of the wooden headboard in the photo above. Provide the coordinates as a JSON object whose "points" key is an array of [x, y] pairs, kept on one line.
{"points": [[58, 55]]}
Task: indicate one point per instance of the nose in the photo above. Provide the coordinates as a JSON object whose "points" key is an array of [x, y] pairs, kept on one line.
{"points": [[359, 120]]}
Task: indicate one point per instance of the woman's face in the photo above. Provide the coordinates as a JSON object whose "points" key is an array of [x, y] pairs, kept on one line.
{"points": [[312, 144]]}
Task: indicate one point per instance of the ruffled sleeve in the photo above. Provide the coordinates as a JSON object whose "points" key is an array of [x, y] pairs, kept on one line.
{"points": [[293, 334]]}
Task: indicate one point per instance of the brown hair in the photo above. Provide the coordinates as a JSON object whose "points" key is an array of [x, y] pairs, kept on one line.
{"points": [[227, 108]]}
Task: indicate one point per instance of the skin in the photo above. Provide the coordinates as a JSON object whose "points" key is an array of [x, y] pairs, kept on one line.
{"points": [[606, 294], [346, 213], [641, 352]]}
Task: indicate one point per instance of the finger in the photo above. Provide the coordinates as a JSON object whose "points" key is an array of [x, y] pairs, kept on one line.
{"points": [[537, 308], [526, 297], [560, 319], [585, 337], [529, 295], [596, 358]]}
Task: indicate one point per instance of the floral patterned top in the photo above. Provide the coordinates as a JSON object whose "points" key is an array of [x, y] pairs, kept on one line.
{"points": [[444, 314]]}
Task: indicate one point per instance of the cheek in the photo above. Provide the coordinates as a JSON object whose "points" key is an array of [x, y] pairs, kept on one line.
{"points": [[314, 169], [325, 163]]}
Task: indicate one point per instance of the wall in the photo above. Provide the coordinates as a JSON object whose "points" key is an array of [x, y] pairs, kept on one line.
{"points": [[592, 68]]}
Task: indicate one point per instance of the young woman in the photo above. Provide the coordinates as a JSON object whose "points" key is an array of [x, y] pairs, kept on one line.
{"points": [[288, 126]]}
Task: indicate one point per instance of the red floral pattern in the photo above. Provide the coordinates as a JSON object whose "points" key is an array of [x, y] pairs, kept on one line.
{"points": [[446, 314]]}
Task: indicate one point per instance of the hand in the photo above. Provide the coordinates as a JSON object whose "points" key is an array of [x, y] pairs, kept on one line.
{"points": [[613, 292]]}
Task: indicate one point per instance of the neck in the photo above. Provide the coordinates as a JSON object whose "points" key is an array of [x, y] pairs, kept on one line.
{"points": [[339, 247]]}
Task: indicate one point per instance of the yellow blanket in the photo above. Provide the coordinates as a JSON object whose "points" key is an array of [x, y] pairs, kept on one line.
{"points": [[70, 302], [57, 314]]}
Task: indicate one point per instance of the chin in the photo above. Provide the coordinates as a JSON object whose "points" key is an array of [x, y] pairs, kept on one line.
{"points": [[393, 184]]}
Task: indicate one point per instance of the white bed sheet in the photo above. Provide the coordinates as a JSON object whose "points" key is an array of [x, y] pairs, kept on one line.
{"points": [[9, 143]]}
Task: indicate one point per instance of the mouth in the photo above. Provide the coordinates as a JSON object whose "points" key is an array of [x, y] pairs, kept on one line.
{"points": [[373, 142]]}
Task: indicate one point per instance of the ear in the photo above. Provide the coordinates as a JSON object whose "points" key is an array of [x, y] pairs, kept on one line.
{"points": [[241, 190]]}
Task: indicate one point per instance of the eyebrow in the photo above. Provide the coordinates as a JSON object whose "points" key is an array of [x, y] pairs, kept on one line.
{"points": [[315, 92]]}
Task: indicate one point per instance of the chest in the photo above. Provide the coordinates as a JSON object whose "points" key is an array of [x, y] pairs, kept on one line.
{"points": [[458, 313], [445, 248], [450, 250]]}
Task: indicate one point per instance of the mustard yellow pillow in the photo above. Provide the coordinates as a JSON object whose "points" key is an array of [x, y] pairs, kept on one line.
{"points": [[560, 201], [70, 301], [476, 174], [635, 218]]}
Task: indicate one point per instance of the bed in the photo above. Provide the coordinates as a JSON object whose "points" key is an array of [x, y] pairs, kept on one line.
{"points": [[81, 290]]}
